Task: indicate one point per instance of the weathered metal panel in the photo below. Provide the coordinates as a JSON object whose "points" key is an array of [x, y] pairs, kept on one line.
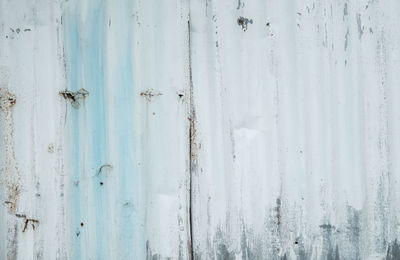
{"points": [[199, 129]]}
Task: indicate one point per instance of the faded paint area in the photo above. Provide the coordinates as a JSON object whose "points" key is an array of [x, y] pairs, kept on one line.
{"points": [[199, 129]]}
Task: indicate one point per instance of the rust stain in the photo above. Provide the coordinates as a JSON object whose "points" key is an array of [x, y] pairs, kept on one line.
{"points": [[193, 148], [10, 173], [243, 22], [13, 195], [27, 221], [149, 94], [74, 97], [7, 99]]}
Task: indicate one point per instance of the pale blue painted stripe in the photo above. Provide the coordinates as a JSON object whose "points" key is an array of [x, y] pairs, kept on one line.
{"points": [[85, 69], [85, 56], [131, 229], [93, 80], [72, 59]]}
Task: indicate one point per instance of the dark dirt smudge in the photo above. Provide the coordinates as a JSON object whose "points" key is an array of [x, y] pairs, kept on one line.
{"points": [[393, 251]]}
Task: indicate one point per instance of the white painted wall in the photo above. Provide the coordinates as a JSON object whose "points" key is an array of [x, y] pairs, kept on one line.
{"points": [[227, 129]]}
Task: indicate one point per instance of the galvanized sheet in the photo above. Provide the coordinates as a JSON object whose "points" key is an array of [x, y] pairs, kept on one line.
{"points": [[199, 129]]}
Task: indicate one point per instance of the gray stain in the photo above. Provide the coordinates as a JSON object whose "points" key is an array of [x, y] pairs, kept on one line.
{"points": [[222, 249], [330, 250], [223, 253], [353, 231], [333, 254], [346, 39], [360, 28], [393, 251], [301, 252]]}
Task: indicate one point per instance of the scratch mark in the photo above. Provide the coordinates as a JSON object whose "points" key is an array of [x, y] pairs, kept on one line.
{"points": [[109, 166]]}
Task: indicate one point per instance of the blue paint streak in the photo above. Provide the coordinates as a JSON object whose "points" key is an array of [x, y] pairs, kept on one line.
{"points": [[93, 79], [133, 243], [85, 69], [72, 59], [85, 60]]}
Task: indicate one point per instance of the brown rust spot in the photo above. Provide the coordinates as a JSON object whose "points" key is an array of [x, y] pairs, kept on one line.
{"points": [[193, 140], [50, 148], [13, 195], [7, 99], [243, 22], [149, 94], [74, 97]]}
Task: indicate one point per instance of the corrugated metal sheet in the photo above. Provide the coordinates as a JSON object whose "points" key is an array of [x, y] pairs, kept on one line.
{"points": [[199, 129]]}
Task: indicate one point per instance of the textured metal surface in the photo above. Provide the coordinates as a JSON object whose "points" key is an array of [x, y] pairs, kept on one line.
{"points": [[199, 129]]}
